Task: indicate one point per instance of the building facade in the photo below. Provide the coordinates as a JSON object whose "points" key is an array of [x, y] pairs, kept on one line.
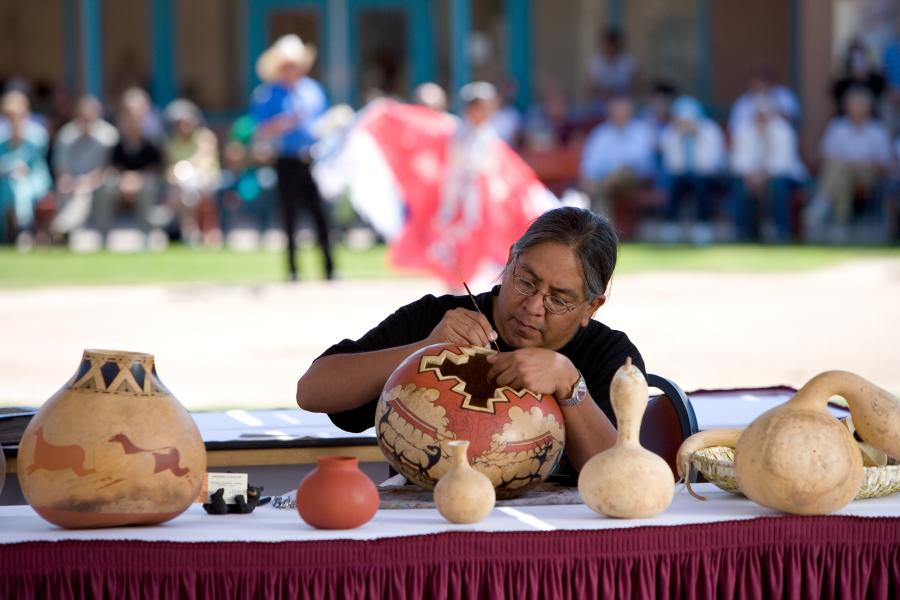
{"points": [[206, 49]]}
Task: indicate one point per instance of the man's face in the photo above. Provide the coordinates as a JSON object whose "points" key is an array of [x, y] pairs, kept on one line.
{"points": [[524, 321], [859, 108], [621, 111]]}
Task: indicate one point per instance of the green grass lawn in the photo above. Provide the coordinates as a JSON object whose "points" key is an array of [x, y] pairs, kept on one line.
{"points": [[58, 266]]}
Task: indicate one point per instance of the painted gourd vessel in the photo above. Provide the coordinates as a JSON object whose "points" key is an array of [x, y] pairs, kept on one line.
{"points": [[442, 393], [112, 447]]}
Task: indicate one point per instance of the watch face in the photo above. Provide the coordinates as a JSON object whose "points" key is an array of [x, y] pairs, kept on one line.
{"points": [[577, 394]]}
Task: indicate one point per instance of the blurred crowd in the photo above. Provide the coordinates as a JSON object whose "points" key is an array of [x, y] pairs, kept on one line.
{"points": [[667, 171], [162, 173], [649, 156]]}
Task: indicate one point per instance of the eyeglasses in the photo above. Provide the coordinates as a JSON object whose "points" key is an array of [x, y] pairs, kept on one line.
{"points": [[553, 304]]}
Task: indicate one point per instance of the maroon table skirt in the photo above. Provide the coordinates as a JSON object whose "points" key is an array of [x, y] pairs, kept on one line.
{"points": [[788, 557]]}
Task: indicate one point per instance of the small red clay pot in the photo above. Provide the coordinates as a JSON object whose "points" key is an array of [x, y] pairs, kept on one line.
{"points": [[337, 495]]}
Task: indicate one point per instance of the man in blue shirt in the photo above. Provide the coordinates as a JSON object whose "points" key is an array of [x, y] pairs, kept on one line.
{"points": [[285, 106]]}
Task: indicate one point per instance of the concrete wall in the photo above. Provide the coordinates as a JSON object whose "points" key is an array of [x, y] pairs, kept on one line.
{"points": [[208, 66], [815, 66], [745, 36], [126, 46], [31, 40], [564, 37]]}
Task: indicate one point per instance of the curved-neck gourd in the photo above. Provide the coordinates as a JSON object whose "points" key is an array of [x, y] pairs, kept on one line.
{"points": [[797, 457]]}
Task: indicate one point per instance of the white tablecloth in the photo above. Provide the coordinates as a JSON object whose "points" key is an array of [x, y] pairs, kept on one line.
{"points": [[266, 524]]}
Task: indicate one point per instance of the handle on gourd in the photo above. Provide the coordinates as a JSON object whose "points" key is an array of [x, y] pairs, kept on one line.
{"points": [[628, 395], [875, 411], [699, 441]]}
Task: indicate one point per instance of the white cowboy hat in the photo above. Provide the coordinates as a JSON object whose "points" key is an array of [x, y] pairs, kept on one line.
{"points": [[288, 48]]}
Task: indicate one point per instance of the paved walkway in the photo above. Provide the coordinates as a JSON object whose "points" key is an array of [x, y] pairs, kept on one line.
{"points": [[222, 346]]}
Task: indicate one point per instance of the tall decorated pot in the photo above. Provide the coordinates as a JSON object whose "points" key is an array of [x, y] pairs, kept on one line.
{"points": [[441, 393], [112, 447]]}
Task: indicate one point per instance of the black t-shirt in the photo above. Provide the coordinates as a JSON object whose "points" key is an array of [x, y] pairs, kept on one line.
{"points": [[128, 157], [596, 350]]}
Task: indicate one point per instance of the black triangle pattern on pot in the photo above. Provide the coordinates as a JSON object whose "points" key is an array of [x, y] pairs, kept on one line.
{"points": [[110, 370], [137, 369], [83, 368]]}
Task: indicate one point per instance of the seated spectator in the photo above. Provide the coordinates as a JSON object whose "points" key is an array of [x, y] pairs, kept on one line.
{"points": [[657, 114], [24, 176], [507, 120], [766, 165], [550, 123], [192, 173], [248, 179], [658, 111], [763, 88], [693, 154], [617, 159], [856, 153], [891, 105], [33, 129], [81, 153], [133, 178], [859, 70], [612, 70]]}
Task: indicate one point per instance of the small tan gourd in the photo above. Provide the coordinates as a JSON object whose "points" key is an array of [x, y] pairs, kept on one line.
{"points": [[798, 458], [627, 481], [463, 495]]}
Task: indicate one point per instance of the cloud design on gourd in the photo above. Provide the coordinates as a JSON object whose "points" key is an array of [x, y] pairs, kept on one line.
{"points": [[513, 469], [405, 438]]}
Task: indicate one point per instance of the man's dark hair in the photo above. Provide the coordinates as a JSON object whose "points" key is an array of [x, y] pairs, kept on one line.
{"points": [[588, 234]]}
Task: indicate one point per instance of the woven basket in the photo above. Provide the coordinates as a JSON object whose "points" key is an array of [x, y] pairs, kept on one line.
{"points": [[717, 466]]}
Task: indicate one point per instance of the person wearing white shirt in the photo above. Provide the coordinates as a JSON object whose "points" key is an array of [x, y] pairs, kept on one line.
{"points": [[857, 152], [763, 88], [617, 157], [693, 154], [613, 69], [766, 165], [82, 151]]}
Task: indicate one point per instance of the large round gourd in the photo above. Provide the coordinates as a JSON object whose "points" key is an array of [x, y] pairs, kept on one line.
{"points": [[627, 481], [798, 458], [442, 393]]}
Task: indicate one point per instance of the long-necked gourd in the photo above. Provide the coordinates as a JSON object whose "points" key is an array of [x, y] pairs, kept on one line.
{"points": [[627, 481], [797, 457]]}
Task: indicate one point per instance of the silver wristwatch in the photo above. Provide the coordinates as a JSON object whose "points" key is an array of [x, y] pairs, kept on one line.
{"points": [[579, 392]]}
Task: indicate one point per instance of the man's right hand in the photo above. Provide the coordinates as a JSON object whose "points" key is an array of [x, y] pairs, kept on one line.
{"points": [[464, 327]]}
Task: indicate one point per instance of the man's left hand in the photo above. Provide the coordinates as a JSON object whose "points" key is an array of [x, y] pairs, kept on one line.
{"points": [[536, 369]]}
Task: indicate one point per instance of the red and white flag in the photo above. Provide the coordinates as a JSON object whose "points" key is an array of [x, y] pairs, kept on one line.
{"points": [[395, 160]]}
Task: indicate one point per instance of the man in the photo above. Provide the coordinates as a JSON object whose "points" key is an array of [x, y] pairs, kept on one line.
{"points": [[693, 154], [617, 164], [24, 176], [286, 106], [763, 88], [766, 166], [133, 177], [469, 157], [857, 152], [556, 278], [81, 155]]}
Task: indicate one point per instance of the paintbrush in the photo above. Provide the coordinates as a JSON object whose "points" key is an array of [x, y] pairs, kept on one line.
{"points": [[496, 345]]}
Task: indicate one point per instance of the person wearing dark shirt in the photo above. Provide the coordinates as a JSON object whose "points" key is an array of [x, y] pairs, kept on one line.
{"points": [[540, 315], [135, 166], [859, 70]]}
